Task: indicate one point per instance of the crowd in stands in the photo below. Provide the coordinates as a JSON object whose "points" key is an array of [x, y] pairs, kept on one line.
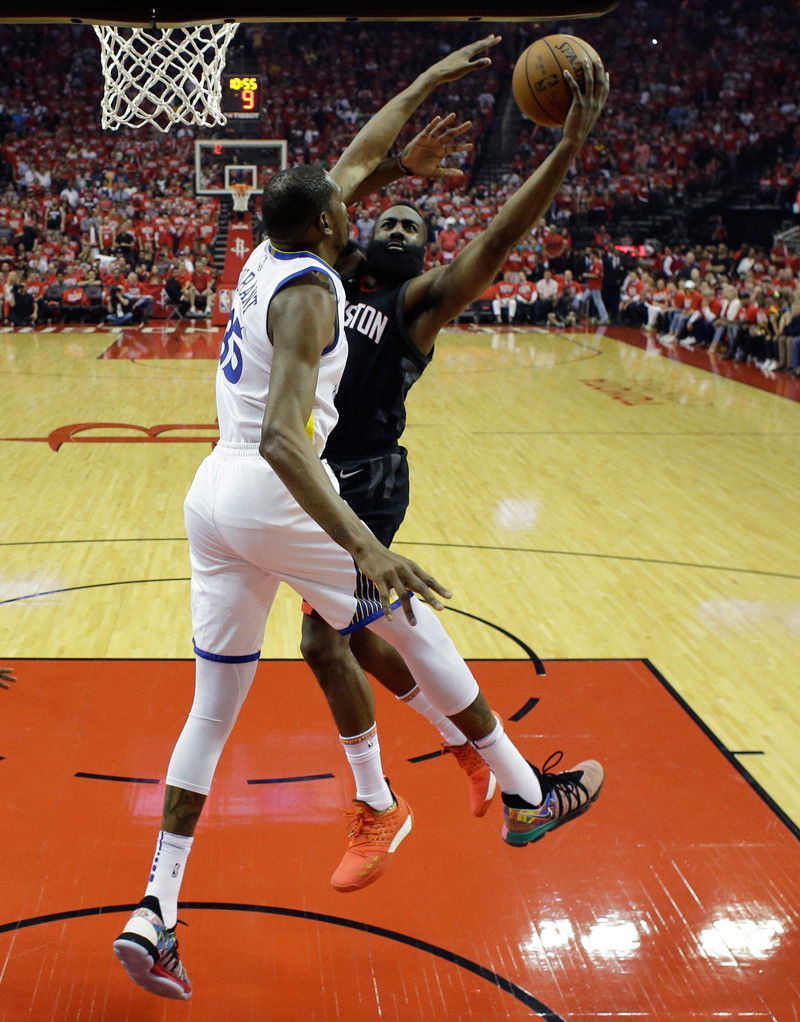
{"points": [[677, 128], [97, 224], [743, 304], [89, 253]]}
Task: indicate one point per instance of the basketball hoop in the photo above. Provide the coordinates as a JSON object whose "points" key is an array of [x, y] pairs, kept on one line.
{"points": [[162, 76]]}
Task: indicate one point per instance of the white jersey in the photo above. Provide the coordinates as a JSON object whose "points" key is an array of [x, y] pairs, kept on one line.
{"points": [[245, 360]]}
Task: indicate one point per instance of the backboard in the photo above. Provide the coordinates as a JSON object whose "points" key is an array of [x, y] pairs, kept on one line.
{"points": [[219, 163]]}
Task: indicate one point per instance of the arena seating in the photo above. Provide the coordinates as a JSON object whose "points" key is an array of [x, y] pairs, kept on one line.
{"points": [[675, 137]]}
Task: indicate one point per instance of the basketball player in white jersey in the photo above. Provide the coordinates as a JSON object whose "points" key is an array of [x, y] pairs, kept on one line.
{"points": [[263, 508]]}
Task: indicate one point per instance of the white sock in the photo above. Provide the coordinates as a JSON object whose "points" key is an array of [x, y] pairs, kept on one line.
{"points": [[364, 756], [166, 874], [513, 772], [446, 728]]}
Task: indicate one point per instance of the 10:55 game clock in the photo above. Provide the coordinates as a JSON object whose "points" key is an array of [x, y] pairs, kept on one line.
{"points": [[241, 96]]}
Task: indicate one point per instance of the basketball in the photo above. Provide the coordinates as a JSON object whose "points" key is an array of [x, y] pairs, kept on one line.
{"points": [[539, 87]]}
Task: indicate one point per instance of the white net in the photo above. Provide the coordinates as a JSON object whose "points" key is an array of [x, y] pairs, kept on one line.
{"points": [[162, 76]]}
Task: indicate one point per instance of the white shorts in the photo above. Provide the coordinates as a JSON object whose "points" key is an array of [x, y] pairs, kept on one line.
{"points": [[246, 535]]}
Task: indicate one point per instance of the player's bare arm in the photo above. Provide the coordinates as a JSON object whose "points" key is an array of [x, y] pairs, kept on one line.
{"points": [[423, 156], [371, 144], [436, 297], [286, 445]]}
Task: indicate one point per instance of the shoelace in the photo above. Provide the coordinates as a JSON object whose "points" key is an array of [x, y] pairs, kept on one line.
{"points": [[467, 757], [169, 957], [565, 785], [371, 829]]}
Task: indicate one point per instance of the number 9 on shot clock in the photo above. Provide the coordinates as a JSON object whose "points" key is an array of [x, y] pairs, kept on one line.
{"points": [[241, 96]]}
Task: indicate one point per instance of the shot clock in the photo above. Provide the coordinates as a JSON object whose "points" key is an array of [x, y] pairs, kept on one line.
{"points": [[241, 96]]}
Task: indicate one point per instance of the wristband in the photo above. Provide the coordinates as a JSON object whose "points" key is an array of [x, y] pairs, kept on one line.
{"points": [[403, 167]]}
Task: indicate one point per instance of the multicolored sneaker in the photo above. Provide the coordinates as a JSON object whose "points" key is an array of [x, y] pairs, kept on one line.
{"points": [[149, 953], [374, 835], [566, 795], [482, 781]]}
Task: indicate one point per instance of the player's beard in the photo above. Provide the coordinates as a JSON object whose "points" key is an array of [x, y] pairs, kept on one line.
{"points": [[390, 266]]}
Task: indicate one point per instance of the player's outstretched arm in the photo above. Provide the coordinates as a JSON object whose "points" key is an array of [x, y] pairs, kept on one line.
{"points": [[371, 144], [286, 445], [423, 156], [441, 294]]}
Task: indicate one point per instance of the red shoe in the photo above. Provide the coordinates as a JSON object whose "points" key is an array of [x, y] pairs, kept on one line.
{"points": [[374, 835], [482, 781]]}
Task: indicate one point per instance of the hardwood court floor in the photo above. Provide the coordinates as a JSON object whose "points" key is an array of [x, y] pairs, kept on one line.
{"points": [[588, 497], [664, 906]]}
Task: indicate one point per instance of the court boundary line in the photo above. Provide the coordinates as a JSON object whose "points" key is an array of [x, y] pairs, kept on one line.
{"points": [[692, 714]]}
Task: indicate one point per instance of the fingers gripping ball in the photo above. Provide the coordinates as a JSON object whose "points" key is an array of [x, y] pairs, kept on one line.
{"points": [[540, 89]]}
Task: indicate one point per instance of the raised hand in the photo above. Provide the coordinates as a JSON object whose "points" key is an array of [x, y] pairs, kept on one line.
{"points": [[460, 62], [586, 106], [425, 153]]}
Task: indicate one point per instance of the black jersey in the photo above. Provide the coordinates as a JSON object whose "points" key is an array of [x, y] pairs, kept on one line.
{"points": [[383, 363]]}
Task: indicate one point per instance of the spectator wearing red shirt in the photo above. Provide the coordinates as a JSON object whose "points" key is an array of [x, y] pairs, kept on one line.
{"points": [[569, 298], [504, 298], [678, 312], [593, 279], [556, 246], [35, 286], [515, 261], [73, 302], [631, 304], [657, 300], [447, 241], [141, 301], [526, 299], [199, 290], [207, 231], [700, 328]]}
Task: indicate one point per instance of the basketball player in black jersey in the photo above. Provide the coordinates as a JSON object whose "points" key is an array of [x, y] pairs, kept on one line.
{"points": [[394, 314]]}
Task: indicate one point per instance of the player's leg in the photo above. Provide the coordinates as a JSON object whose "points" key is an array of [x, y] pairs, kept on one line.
{"points": [[296, 549], [230, 602], [349, 698], [385, 664], [351, 703], [377, 489], [380, 819], [534, 800]]}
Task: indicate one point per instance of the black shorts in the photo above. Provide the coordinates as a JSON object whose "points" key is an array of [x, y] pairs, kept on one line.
{"points": [[376, 488]]}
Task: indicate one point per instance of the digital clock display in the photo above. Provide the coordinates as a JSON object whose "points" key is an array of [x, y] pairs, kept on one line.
{"points": [[241, 95]]}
